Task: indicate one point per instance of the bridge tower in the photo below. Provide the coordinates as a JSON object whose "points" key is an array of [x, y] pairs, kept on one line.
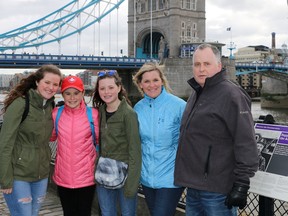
{"points": [[159, 32]]}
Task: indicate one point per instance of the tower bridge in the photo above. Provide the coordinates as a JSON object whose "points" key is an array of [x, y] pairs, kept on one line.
{"points": [[156, 31]]}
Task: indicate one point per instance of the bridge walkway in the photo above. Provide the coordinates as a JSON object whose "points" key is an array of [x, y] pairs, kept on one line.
{"points": [[52, 205]]}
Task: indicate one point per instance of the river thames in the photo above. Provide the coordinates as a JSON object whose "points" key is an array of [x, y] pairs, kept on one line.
{"points": [[280, 115]]}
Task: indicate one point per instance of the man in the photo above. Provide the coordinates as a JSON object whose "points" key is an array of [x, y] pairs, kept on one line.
{"points": [[217, 152]]}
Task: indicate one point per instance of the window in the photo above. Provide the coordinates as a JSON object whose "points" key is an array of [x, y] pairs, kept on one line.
{"points": [[182, 4], [194, 34], [193, 4], [183, 25], [194, 26], [188, 4], [142, 7], [153, 5], [188, 32], [161, 4]]}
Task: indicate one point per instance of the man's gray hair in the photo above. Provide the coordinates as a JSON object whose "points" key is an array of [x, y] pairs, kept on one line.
{"points": [[214, 49]]}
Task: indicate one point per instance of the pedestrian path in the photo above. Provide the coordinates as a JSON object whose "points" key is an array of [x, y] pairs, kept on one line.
{"points": [[50, 207]]}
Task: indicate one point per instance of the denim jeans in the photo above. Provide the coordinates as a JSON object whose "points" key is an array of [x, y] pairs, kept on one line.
{"points": [[110, 198], [204, 203], [162, 201], [26, 197]]}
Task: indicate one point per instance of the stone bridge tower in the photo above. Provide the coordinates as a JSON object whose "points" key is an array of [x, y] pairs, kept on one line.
{"points": [[171, 23]]}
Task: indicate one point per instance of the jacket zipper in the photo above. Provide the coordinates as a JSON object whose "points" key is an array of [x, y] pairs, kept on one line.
{"points": [[207, 163]]}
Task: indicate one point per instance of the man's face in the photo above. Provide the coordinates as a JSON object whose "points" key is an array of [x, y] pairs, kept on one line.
{"points": [[205, 64]]}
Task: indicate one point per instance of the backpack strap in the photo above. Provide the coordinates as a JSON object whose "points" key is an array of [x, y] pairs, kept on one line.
{"points": [[60, 110], [26, 109], [90, 118]]}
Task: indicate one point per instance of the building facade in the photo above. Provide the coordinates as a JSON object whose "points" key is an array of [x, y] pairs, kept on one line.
{"points": [[157, 30]]}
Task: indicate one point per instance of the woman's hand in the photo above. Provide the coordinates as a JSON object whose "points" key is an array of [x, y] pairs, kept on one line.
{"points": [[6, 191]]}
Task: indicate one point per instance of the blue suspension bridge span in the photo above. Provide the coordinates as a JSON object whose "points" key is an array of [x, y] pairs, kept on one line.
{"points": [[70, 20], [275, 71]]}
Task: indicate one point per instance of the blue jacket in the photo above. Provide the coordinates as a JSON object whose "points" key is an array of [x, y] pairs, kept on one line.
{"points": [[159, 126]]}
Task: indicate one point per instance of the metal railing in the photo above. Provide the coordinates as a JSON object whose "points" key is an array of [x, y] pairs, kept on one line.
{"points": [[252, 208]]}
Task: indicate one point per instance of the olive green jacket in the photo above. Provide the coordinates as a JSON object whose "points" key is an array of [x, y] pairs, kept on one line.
{"points": [[120, 140], [24, 147]]}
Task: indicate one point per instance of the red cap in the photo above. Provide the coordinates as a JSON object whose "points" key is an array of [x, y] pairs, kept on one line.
{"points": [[72, 82]]}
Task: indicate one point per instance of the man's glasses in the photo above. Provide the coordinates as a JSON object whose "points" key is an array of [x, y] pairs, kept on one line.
{"points": [[106, 73]]}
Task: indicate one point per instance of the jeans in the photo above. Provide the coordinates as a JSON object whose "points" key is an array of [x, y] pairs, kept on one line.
{"points": [[76, 201], [162, 201], [204, 203], [108, 201], [26, 197]]}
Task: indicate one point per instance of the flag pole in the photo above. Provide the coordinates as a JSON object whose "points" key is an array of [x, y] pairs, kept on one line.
{"points": [[232, 45]]}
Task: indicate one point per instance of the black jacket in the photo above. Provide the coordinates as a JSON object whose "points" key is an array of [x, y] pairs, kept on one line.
{"points": [[217, 145]]}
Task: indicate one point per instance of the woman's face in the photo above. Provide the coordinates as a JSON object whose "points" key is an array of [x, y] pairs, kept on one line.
{"points": [[73, 97], [151, 83], [108, 90], [48, 86]]}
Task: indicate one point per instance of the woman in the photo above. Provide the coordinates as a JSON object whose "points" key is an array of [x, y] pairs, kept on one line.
{"points": [[24, 146], [76, 153], [119, 140], [159, 115]]}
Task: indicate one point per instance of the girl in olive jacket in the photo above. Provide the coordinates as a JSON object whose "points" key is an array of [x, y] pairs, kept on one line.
{"points": [[119, 140], [24, 146]]}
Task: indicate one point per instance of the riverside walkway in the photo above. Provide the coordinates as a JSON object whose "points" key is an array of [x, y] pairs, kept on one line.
{"points": [[52, 206]]}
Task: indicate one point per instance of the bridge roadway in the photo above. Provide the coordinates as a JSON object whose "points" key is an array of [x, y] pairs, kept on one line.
{"points": [[70, 62], [25, 60]]}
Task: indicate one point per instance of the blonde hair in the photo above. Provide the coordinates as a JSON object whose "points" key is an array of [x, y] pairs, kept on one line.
{"points": [[151, 66]]}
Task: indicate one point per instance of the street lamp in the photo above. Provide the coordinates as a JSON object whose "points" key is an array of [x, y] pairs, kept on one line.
{"points": [[151, 45], [134, 36]]}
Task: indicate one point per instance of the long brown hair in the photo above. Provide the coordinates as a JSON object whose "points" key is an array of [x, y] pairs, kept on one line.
{"points": [[28, 83], [96, 99]]}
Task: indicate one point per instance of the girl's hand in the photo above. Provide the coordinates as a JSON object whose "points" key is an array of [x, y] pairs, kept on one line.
{"points": [[6, 191]]}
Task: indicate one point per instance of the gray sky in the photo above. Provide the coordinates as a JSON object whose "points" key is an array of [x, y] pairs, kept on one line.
{"points": [[251, 22]]}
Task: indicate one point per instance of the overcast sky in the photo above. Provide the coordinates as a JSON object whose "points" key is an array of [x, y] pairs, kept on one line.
{"points": [[251, 22]]}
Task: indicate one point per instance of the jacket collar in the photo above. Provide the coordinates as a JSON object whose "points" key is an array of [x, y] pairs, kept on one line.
{"points": [[81, 107], [36, 99], [218, 77], [121, 105], [161, 97]]}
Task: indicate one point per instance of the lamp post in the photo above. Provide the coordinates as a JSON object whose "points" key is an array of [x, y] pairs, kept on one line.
{"points": [[151, 44], [134, 36]]}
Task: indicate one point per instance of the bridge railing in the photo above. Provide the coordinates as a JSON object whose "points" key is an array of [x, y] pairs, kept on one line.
{"points": [[261, 65], [252, 208], [13, 60]]}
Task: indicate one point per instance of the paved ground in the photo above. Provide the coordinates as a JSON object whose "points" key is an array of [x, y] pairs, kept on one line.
{"points": [[52, 206]]}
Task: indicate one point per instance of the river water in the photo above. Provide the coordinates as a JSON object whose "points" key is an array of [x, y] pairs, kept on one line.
{"points": [[280, 115]]}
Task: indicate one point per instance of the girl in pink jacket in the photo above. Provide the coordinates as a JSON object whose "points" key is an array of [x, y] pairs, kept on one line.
{"points": [[76, 152]]}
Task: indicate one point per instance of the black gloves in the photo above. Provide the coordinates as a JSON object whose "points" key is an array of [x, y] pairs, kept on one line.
{"points": [[237, 196]]}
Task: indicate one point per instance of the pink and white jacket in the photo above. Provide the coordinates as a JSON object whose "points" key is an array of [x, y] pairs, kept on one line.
{"points": [[76, 153]]}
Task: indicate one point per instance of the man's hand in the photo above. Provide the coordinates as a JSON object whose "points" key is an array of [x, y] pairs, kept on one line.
{"points": [[237, 196]]}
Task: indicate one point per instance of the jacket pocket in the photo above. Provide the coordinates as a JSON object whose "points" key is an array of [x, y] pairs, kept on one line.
{"points": [[206, 169]]}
